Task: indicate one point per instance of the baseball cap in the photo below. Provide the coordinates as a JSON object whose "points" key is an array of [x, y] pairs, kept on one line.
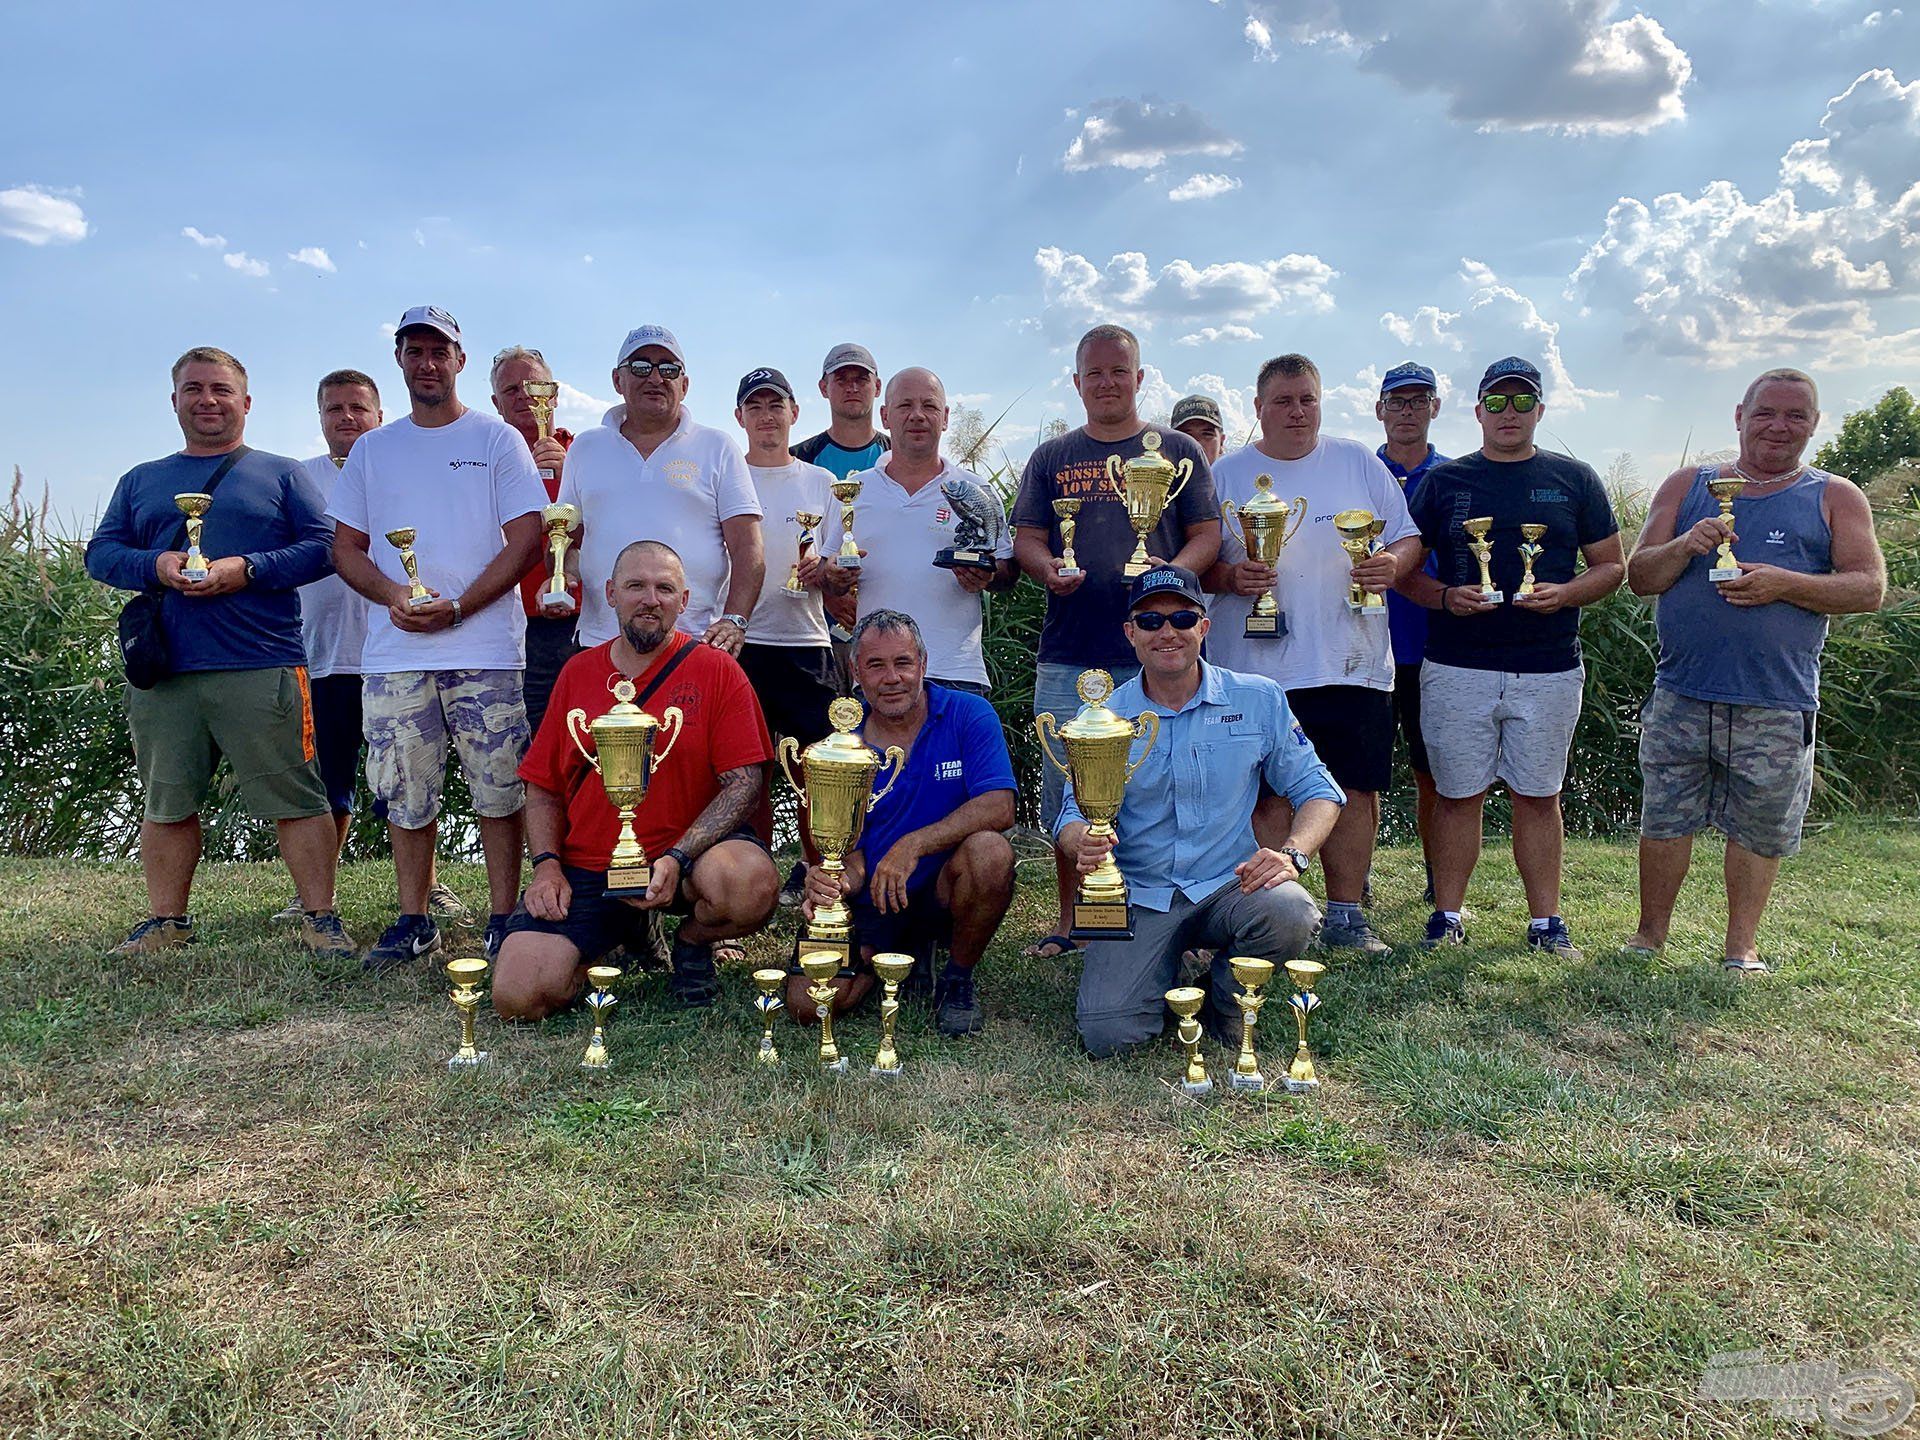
{"points": [[1197, 407], [1405, 374], [429, 317], [1165, 580], [1511, 368], [765, 378], [848, 354], [649, 335]]}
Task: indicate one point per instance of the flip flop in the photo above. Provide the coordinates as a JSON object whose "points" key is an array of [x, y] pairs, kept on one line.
{"points": [[1746, 967], [1061, 943], [729, 952]]}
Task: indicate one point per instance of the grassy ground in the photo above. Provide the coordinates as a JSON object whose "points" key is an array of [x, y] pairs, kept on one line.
{"points": [[240, 1195]]}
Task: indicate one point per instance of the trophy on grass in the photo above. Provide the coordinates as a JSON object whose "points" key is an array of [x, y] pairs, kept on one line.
{"points": [[1530, 551], [625, 751], [846, 492], [1263, 525], [1300, 1077], [600, 999], [1252, 973], [1098, 743], [193, 505], [466, 975], [806, 520], [893, 970], [1358, 530], [541, 395], [769, 1002], [835, 786], [821, 966], [1146, 484], [1482, 549], [1185, 1003], [402, 540], [561, 521], [982, 521], [1067, 510], [1724, 489]]}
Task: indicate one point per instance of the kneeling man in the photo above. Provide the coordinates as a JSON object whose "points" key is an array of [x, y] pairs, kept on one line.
{"points": [[944, 870], [704, 823], [1198, 878]]}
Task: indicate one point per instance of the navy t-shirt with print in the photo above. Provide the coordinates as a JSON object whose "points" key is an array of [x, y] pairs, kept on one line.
{"points": [[960, 753]]}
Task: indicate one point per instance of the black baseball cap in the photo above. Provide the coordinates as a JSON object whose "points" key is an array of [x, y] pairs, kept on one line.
{"points": [[1511, 368], [1165, 580], [1198, 407], [765, 378]]}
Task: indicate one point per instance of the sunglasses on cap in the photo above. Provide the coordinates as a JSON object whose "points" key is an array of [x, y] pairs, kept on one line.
{"points": [[1152, 620], [641, 369], [1494, 404]]}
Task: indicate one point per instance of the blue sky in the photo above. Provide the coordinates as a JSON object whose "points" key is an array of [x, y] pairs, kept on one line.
{"points": [[965, 188]]}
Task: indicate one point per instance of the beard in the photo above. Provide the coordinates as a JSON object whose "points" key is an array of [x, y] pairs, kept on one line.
{"points": [[431, 402], [645, 641]]}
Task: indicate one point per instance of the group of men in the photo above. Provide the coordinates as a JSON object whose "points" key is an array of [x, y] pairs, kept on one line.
{"points": [[720, 580]]}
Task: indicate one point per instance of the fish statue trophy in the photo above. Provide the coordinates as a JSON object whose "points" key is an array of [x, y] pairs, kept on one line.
{"points": [[982, 524]]}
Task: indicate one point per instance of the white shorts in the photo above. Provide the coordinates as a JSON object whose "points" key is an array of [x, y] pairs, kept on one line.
{"points": [[1487, 725]]}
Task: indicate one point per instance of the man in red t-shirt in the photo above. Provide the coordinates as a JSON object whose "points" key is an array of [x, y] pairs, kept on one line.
{"points": [[705, 822]]}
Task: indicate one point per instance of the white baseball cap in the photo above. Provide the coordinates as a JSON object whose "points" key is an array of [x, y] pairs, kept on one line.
{"points": [[642, 335], [432, 317]]}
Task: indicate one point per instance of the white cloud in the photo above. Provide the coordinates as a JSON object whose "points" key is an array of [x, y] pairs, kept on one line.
{"points": [[1129, 291], [1142, 135], [205, 242], [1219, 335], [1260, 37], [316, 257], [576, 409], [389, 329], [244, 263], [1158, 395], [40, 216], [1493, 320], [1204, 186]]}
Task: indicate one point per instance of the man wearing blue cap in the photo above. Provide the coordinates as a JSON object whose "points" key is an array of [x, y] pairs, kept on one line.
{"points": [[1199, 879], [1501, 686]]}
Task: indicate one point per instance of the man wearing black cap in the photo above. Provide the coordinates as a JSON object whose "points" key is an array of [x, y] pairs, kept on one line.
{"points": [[1500, 689], [1198, 416], [1199, 879]]}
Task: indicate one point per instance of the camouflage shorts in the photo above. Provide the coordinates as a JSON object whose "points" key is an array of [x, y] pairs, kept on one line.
{"points": [[411, 716], [1744, 770]]}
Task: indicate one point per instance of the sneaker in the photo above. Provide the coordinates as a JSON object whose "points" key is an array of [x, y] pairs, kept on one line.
{"points": [[156, 932], [795, 890], [496, 934], [291, 913], [695, 982], [958, 1006], [1359, 937], [323, 934], [443, 904], [1442, 931], [408, 938], [1554, 937]]}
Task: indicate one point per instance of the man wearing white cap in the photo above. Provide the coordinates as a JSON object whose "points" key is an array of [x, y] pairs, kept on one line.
{"points": [[649, 472]]}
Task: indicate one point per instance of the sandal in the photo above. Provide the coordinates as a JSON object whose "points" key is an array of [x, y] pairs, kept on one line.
{"points": [[1746, 967], [729, 952], [1062, 945]]}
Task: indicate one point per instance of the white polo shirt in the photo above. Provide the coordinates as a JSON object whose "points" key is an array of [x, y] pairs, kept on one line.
{"points": [[695, 479], [333, 616], [783, 617]]}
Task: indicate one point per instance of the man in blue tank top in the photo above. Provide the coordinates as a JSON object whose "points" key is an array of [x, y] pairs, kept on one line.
{"points": [[1726, 738]]}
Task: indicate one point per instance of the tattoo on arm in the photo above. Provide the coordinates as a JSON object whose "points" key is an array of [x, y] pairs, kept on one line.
{"points": [[727, 811]]}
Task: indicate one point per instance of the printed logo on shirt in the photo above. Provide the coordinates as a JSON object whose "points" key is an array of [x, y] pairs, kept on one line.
{"points": [[1776, 537], [1233, 719], [1299, 735], [684, 473], [1548, 497], [457, 464], [943, 514], [951, 770]]}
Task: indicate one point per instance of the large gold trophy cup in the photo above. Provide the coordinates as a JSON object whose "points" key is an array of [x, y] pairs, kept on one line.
{"points": [[1146, 484], [1724, 490], [561, 521], [1264, 527], [1358, 530], [835, 786], [625, 751], [1098, 743], [542, 395], [193, 505]]}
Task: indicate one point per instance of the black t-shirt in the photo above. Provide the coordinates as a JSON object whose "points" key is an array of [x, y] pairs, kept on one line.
{"points": [[1084, 628], [1555, 490]]}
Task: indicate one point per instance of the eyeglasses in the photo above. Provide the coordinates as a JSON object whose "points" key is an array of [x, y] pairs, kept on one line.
{"points": [[1152, 620], [1400, 404], [641, 369], [1494, 404]]}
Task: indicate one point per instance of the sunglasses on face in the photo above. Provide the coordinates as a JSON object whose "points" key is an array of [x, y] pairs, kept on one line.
{"points": [[1494, 404], [641, 369], [1152, 620]]}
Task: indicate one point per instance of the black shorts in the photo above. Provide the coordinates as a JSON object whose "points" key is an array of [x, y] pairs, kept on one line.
{"points": [[1351, 728], [550, 644], [795, 684], [337, 738], [1406, 711], [595, 924], [913, 931]]}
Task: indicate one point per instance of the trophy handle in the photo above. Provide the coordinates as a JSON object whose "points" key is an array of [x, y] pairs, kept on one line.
{"points": [[898, 759], [1043, 726], [576, 727], [670, 715], [1231, 512], [1113, 478], [1299, 518], [788, 754], [1184, 472], [1147, 723]]}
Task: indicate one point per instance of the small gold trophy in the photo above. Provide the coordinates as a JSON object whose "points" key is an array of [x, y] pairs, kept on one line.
{"points": [[769, 1002], [466, 975], [600, 999], [1185, 1003], [1098, 743], [561, 521], [1066, 510], [1482, 549], [893, 970], [846, 492], [541, 395], [193, 505], [1530, 550], [1300, 1077], [625, 751], [806, 520], [402, 540], [1358, 529], [1151, 483], [1263, 525], [1252, 974], [821, 966], [1724, 489]]}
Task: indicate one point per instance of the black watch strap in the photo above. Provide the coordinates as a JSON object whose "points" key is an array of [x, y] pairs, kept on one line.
{"points": [[542, 858], [681, 858], [1299, 859]]}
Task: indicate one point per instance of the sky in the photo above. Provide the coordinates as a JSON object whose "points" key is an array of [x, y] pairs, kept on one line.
{"points": [[1653, 204]]}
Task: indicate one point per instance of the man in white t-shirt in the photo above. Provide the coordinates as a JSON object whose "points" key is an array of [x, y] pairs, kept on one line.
{"points": [[905, 516], [649, 472], [1335, 663], [447, 668]]}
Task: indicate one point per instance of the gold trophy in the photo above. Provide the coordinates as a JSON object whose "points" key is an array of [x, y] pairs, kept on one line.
{"points": [[402, 540], [1482, 549], [1530, 550], [769, 1002], [561, 521], [821, 966], [541, 395], [1185, 1003], [1098, 743], [846, 492], [1263, 525], [1252, 974], [466, 975], [1066, 510], [1151, 482], [193, 505], [1358, 529], [806, 520], [838, 774], [624, 752], [1724, 489], [600, 999], [1300, 1077], [893, 971]]}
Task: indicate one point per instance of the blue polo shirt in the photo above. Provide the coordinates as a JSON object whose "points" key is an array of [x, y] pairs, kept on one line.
{"points": [[1188, 816], [959, 753], [1406, 620]]}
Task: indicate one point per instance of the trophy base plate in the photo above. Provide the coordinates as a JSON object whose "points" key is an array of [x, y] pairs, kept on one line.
{"points": [[955, 559], [1719, 574], [546, 472], [1494, 597], [885, 1072], [836, 1067], [419, 602], [1300, 1087], [1262, 627], [1196, 1088], [557, 604], [469, 1062], [847, 562], [196, 576], [629, 882], [1104, 921], [596, 1064], [1362, 609], [841, 950], [1071, 572], [1246, 1082], [1133, 571]]}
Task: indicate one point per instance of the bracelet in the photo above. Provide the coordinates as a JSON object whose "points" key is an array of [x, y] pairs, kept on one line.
{"points": [[542, 858], [457, 616], [1446, 591]]}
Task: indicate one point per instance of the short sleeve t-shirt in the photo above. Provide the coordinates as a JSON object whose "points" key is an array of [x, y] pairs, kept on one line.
{"points": [[456, 486], [1325, 642], [959, 754], [1550, 489], [823, 450], [782, 616], [333, 616], [1084, 628], [723, 731]]}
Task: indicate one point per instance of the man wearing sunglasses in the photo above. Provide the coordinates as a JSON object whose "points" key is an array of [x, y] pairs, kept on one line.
{"points": [[1199, 879], [1501, 686]]}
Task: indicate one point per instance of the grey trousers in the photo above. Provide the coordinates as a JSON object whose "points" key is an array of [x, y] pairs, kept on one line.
{"points": [[1123, 984]]}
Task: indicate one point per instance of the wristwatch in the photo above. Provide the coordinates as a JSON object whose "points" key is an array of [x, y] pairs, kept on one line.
{"points": [[1299, 859], [680, 858], [736, 620], [457, 616], [251, 571]]}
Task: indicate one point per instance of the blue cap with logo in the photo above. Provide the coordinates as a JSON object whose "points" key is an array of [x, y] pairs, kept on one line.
{"points": [[1511, 368], [1165, 580], [1405, 374]]}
